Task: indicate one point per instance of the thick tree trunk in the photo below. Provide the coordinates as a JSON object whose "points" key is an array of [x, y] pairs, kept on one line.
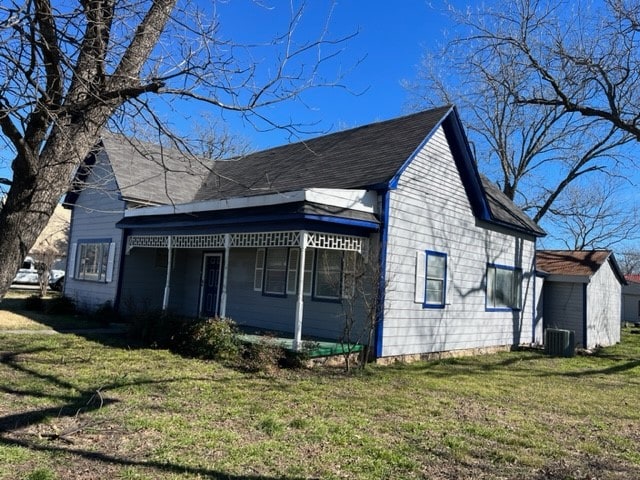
{"points": [[61, 130], [32, 198]]}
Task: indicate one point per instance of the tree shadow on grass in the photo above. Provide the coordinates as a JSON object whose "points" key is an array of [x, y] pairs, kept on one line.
{"points": [[618, 368], [85, 401], [124, 462]]}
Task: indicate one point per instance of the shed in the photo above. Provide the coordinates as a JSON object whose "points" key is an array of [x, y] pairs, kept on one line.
{"points": [[582, 292]]}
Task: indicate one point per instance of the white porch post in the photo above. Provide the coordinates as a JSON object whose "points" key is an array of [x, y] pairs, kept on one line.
{"points": [[297, 341], [225, 273], [167, 285]]}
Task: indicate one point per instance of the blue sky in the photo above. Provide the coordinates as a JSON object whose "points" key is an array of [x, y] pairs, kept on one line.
{"points": [[387, 49], [391, 38]]}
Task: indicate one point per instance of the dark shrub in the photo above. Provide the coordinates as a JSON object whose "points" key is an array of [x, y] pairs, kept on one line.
{"points": [[299, 359], [264, 355], [33, 303], [106, 314], [213, 338], [159, 329], [61, 306]]}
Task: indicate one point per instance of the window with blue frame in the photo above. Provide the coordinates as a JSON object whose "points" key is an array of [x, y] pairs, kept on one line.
{"points": [[92, 260], [504, 287], [431, 279]]}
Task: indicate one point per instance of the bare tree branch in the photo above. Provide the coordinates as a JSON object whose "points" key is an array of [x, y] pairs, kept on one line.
{"points": [[67, 69]]}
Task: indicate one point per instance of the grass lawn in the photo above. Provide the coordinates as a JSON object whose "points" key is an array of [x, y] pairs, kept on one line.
{"points": [[14, 315], [78, 408]]}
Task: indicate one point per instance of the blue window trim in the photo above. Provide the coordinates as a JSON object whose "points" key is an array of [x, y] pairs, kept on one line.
{"points": [[94, 240], [264, 274], [442, 304], [486, 293], [76, 263]]}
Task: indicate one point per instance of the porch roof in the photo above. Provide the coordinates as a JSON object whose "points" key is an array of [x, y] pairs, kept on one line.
{"points": [[288, 216], [331, 210]]}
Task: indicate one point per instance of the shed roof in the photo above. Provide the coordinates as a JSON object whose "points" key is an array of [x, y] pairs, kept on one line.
{"points": [[579, 263]]}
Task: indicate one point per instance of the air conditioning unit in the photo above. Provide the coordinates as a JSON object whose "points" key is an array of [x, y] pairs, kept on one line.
{"points": [[558, 342]]}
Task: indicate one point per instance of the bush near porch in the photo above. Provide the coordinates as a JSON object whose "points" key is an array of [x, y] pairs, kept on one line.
{"points": [[74, 408]]}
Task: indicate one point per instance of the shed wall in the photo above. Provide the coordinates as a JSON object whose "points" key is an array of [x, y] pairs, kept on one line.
{"points": [[631, 303], [564, 307], [604, 297]]}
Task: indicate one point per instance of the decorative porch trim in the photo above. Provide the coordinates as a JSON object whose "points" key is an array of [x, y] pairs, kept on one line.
{"points": [[147, 241], [329, 241]]}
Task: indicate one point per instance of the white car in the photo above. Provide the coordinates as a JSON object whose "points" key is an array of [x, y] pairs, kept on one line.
{"points": [[28, 274]]}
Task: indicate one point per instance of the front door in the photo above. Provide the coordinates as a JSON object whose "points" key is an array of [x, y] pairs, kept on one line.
{"points": [[211, 275]]}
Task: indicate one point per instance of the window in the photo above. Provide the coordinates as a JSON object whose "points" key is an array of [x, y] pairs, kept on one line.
{"points": [[292, 276], [503, 287], [328, 274], [328, 279], [309, 256], [259, 270], [431, 279], [94, 261], [436, 279], [275, 271]]}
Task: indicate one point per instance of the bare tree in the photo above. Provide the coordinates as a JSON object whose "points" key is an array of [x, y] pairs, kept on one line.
{"points": [[629, 261], [591, 216], [580, 56], [536, 151], [67, 69], [361, 301]]}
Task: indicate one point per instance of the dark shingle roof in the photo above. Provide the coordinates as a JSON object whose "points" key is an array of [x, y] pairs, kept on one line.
{"points": [[357, 158], [505, 211], [360, 158]]}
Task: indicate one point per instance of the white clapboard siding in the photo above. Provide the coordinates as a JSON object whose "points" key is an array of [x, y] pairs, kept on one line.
{"points": [[430, 211], [604, 294]]}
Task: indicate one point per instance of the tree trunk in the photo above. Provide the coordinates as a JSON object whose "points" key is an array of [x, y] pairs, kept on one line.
{"points": [[32, 199]]}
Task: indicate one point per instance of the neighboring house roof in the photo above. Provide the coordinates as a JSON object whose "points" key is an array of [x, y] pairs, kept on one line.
{"points": [[367, 157], [53, 239], [632, 278], [576, 263]]}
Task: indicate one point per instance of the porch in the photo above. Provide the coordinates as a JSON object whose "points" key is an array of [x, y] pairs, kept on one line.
{"points": [[285, 281], [319, 348]]}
